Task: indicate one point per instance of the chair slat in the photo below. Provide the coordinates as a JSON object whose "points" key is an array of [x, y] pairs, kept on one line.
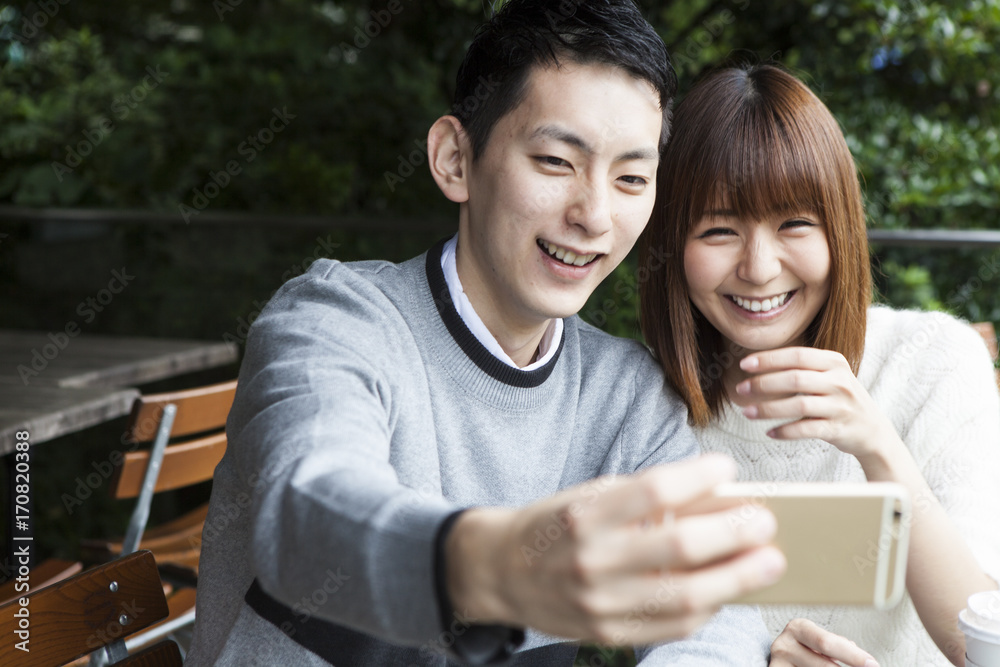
{"points": [[178, 534], [80, 614], [183, 464], [198, 410]]}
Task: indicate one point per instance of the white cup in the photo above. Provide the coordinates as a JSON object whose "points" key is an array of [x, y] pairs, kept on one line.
{"points": [[980, 622]]}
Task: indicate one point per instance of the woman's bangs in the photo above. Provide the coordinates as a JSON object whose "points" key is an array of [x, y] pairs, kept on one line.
{"points": [[764, 171]]}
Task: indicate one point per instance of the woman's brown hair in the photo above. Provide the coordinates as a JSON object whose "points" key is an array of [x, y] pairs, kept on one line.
{"points": [[754, 140]]}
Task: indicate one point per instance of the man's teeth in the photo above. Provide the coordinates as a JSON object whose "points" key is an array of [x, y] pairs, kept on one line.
{"points": [[567, 256], [758, 305]]}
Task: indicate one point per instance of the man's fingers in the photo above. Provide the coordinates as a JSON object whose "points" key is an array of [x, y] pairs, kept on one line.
{"points": [[675, 604], [721, 583], [683, 544], [647, 496]]}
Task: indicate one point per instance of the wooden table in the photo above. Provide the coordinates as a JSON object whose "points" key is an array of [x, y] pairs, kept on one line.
{"points": [[34, 357], [50, 390], [48, 411], [52, 384]]}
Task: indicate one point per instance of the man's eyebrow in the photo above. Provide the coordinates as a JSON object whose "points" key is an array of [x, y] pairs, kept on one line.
{"points": [[639, 154], [565, 136]]}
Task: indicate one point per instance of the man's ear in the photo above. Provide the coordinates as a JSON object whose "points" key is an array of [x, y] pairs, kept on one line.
{"points": [[449, 155]]}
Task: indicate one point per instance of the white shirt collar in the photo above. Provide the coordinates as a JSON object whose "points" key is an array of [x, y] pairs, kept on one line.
{"points": [[546, 347]]}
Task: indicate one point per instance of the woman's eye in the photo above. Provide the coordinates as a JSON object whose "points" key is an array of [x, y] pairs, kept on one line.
{"points": [[716, 231], [797, 223]]}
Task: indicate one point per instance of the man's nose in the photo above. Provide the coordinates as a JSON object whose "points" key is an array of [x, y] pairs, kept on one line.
{"points": [[590, 209]]}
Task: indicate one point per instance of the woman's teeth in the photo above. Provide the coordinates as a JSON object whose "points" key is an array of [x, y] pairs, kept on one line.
{"points": [[566, 256], [760, 305]]}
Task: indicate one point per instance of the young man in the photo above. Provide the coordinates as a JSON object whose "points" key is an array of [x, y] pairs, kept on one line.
{"points": [[400, 430]]}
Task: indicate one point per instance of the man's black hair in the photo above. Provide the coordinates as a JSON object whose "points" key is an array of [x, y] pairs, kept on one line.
{"points": [[524, 33]]}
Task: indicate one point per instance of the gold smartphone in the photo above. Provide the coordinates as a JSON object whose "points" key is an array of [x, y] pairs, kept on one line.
{"points": [[846, 543]]}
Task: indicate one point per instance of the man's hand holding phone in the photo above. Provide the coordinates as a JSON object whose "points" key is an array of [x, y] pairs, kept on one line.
{"points": [[578, 564]]}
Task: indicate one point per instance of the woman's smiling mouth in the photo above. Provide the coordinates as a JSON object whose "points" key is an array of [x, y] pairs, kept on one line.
{"points": [[759, 305]]}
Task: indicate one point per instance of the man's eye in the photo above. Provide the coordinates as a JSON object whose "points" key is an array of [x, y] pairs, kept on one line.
{"points": [[552, 161]]}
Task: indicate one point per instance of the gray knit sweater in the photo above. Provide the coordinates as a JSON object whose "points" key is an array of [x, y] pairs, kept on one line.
{"points": [[366, 415]]}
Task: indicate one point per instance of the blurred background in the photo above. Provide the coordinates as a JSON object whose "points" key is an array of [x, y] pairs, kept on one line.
{"points": [[210, 151]]}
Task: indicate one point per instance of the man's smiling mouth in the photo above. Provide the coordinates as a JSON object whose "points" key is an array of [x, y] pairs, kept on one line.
{"points": [[565, 255]]}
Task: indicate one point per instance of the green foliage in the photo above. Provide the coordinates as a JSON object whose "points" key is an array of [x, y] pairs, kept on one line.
{"points": [[912, 83]]}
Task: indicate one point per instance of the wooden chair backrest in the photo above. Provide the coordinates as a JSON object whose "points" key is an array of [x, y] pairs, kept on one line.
{"points": [[198, 410], [186, 463], [85, 612]]}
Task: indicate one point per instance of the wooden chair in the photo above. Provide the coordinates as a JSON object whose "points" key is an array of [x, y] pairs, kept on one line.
{"points": [[188, 441], [989, 334], [94, 609]]}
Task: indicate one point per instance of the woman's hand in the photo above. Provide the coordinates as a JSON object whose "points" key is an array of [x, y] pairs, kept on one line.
{"points": [[816, 390], [804, 644]]}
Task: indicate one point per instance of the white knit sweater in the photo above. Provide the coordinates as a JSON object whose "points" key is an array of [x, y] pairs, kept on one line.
{"points": [[932, 376]]}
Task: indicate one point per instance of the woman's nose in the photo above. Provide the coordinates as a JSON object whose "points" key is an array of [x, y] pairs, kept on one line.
{"points": [[760, 263]]}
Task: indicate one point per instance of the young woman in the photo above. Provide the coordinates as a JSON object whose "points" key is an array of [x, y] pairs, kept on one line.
{"points": [[767, 331]]}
